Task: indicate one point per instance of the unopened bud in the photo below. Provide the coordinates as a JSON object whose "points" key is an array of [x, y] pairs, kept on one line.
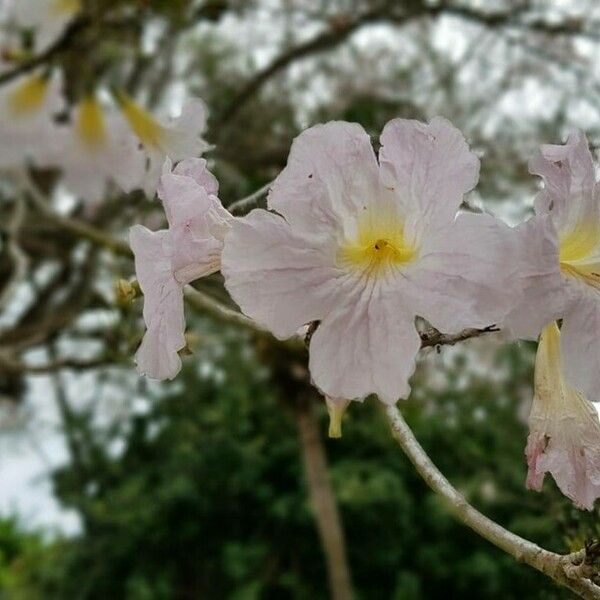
{"points": [[127, 291]]}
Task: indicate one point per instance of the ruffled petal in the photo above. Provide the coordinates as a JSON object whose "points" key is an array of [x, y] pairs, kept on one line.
{"points": [[197, 169], [467, 275], [568, 195], [184, 133], [544, 293], [194, 217], [279, 278], [331, 174], [564, 438], [367, 345], [157, 356], [580, 344], [428, 167]]}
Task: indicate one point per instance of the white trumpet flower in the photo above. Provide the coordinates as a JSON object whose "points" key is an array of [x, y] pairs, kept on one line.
{"points": [[364, 248], [162, 138], [167, 260], [564, 437], [568, 285], [97, 147], [27, 109]]}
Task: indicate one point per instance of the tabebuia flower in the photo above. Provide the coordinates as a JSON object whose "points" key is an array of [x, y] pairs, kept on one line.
{"points": [[27, 109], [166, 137], [564, 438], [568, 286], [167, 260], [363, 247], [96, 148]]}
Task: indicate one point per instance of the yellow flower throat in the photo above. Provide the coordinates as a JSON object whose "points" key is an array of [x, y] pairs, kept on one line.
{"points": [[577, 249], [379, 243]]}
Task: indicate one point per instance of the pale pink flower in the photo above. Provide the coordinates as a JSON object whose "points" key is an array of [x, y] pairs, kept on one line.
{"points": [[567, 280], [165, 137], [167, 260], [364, 247], [94, 149], [28, 106], [564, 438]]}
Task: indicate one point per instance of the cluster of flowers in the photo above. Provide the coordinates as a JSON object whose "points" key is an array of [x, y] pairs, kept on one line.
{"points": [[362, 245], [98, 143]]}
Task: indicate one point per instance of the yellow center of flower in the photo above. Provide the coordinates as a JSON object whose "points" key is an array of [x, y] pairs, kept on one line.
{"points": [[29, 97], [65, 7], [379, 243], [149, 131], [91, 125], [577, 250]]}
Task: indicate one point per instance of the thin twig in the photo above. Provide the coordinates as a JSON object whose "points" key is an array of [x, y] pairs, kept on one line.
{"points": [[19, 259], [14, 366], [556, 566], [432, 337], [243, 203], [63, 42]]}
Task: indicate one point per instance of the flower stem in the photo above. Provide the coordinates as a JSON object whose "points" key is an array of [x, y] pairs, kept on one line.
{"points": [[556, 566]]}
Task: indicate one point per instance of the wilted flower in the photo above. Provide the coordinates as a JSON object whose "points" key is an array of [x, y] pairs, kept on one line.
{"points": [[364, 247], [564, 438], [173, 138], [568, 285], [27, 109], [167, 260], [96, 148]]}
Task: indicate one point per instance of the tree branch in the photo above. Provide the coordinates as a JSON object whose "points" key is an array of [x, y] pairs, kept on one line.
{"points": [[63, 42], [561, 568], [243, 203]]}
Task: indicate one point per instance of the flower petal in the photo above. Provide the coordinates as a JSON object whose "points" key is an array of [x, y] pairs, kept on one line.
{"points": [[581, 344], [544, 294], [465, 276], [197, 169], [331, 173], [367, 345], [428, 168], [564, 437], [277, 277], [569, 178], [157, 355]]}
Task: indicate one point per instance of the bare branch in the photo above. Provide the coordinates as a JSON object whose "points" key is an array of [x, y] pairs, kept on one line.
{"points": [[14, 250], [63, 42], [14, 366], [556, 566], [432, 337], [243, 203]]}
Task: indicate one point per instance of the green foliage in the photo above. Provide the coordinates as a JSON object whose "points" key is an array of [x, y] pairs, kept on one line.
{"points": [[208, 500]]}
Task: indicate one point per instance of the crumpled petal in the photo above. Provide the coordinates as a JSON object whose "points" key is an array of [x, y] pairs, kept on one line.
{"points": [[331, 172], [428, 167], [569, 178], [197, 169], [167, 260], [157, 356], [564, 438], [580, 344], [194, 217], [278, 277], [367, 345]]}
